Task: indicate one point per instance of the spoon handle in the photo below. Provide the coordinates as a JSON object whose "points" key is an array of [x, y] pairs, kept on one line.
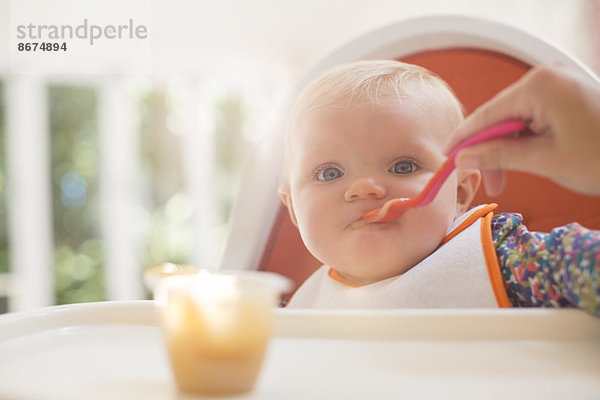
{"points": [[396, 207], [493, 132]]}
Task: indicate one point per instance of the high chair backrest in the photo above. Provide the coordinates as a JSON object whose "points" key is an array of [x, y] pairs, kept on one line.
{"points": [[477, 58]]}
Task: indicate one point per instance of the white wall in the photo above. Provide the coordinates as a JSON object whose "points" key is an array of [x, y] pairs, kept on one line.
{"points": [[282, 38]]}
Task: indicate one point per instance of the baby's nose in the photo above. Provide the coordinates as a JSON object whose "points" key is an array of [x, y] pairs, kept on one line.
{"points": [[364, 188]]}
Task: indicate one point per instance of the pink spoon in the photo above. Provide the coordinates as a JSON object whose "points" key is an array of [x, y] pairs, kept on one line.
{"points": [[396, 207]]}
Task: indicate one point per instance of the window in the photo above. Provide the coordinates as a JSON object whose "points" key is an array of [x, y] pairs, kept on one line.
{"points": [[194, 145], [74, 158], [166, 207], [135, 174]]}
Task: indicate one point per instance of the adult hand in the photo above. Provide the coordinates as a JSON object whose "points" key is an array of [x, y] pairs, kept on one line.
{"points": [[563, 111]]}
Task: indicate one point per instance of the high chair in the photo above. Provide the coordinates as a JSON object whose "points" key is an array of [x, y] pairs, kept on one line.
{"points": [[477, 58]]}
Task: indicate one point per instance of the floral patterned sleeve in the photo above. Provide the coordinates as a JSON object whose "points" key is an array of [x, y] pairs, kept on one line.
{"points": [[556, 269]]}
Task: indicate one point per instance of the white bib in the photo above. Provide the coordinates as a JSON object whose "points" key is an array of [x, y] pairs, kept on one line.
{"points": [[454, 276]]}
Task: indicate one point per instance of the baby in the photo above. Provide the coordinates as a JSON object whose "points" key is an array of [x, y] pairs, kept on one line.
{"points": [[371, 131]]}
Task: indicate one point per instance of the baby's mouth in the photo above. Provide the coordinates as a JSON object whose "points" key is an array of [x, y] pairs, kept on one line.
{"points": [[363, 221], [360, 223]]}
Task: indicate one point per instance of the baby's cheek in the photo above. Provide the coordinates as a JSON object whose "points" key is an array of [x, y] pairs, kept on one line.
{"points": [[312, 232], [429, 228]]}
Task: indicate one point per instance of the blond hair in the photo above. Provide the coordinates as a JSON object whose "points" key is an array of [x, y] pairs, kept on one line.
{"points": [[370, 82]]}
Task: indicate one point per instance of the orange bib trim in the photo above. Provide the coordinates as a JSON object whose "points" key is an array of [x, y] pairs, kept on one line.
{"points": [[482, 212], [333, 274], [491, 261]]}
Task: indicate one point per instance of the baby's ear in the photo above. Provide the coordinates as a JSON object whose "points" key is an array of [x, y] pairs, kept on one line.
{"points": [[467, 185], [286, 199]]}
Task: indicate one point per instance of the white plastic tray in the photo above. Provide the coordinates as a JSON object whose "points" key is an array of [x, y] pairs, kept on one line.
{"points": [[113, 350]]}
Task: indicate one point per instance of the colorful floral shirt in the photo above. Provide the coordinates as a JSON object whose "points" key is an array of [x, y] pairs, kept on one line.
{"points": [[556, 269]]}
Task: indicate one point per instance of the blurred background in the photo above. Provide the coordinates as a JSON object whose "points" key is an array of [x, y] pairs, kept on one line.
{"points": [[122, 156]]}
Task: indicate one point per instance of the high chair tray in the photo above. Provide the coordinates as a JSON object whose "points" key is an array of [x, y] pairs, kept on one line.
{"points": [[114, 350]]}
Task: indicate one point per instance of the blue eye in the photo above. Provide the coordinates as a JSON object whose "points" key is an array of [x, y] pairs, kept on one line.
{"points": [[403, 167], [329, 174]]}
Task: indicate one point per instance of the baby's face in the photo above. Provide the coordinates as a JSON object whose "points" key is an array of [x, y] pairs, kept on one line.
{"points": [[347, 161]]}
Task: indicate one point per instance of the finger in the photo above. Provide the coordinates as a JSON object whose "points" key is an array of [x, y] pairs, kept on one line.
{"points": [[493, 182], [521, 154]]}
